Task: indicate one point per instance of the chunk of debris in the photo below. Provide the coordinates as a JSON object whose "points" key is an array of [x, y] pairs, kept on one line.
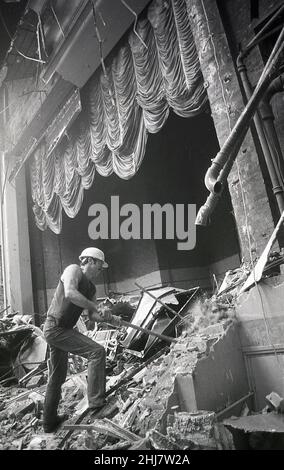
{"points": [[186, 428], [275, 402], [223, 437], [35, 381], [258, 431], [160, 441], [43, 442], [270, 422], [37, 443], [23, 408], [142, 444]]}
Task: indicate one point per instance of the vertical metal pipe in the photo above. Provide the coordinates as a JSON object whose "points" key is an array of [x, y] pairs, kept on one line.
{"points": [[268, 120], [2, 182], [272, 167], [266, 111], [212, 181]]}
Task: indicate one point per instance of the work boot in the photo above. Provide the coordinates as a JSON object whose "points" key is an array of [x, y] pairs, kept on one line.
{"points": [[103, 411], [54, 425], [96, 410]]}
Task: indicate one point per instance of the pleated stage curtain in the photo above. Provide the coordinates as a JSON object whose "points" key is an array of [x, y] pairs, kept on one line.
{"points": [[121, 107]]}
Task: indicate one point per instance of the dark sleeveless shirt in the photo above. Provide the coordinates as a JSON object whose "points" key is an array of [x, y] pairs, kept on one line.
{"points": [[63, 310]]}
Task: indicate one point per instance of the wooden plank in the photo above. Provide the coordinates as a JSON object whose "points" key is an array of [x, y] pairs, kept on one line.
{"points": [[104, 426], [128, 434]]}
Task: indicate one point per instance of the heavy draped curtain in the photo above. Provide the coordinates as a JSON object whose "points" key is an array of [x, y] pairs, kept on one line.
{"points": [[120, 108]]}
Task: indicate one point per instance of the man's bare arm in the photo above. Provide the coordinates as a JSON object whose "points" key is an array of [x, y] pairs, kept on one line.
{"points": [[71, 278], [94, 314]]}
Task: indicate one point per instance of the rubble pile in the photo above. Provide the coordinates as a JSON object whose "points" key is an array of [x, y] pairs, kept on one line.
{"points": [[146, 406], [157, 384], [145, 410], [22, 350], [19, 416], [160, 380]]}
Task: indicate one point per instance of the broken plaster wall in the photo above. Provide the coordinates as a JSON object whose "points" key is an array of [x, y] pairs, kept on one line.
{"points": [[246, 182], [224, 367], [1, 283], [261, 326], [204, 372]]}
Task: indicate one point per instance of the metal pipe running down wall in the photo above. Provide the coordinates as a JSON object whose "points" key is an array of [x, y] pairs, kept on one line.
{"points": [[221, 165], [2, 189], [267, 115], [268, 150]]}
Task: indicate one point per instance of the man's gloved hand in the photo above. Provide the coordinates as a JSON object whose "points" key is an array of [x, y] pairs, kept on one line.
{"points": [[116, 321], [105, 314]]}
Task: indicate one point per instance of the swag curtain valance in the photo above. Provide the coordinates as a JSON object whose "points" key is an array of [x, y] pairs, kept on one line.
{"points": [[119, 110]]}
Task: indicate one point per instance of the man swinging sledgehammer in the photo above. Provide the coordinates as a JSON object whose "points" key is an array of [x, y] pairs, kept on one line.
{"points": [[75, 292]]}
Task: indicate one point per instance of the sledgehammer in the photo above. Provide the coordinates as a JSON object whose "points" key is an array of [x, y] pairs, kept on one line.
{"points": [[149, 332]]}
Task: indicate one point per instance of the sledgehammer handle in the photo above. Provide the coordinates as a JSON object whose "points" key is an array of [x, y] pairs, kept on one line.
{"points": [[149, 332]]}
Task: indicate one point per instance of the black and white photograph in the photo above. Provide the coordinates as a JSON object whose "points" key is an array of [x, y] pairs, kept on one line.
{"points": [[141, 228]]}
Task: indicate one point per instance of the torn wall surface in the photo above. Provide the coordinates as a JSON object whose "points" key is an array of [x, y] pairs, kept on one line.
{"points": [[261, 319]]}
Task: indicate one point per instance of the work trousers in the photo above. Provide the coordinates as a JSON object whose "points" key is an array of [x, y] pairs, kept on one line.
{"points": [[61, 341]]}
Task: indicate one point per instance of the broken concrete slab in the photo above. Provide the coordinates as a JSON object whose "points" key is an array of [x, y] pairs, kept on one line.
{"points": [[23, 408], [270, 422], [195, 428], [257, 432]]}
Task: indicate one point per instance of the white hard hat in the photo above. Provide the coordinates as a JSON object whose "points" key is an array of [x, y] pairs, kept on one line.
{"points": [[93, 253]]}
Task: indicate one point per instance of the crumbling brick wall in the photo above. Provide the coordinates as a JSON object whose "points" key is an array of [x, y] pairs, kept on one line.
{"points": [[250, 199], [240, 27], [1, 283]]}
